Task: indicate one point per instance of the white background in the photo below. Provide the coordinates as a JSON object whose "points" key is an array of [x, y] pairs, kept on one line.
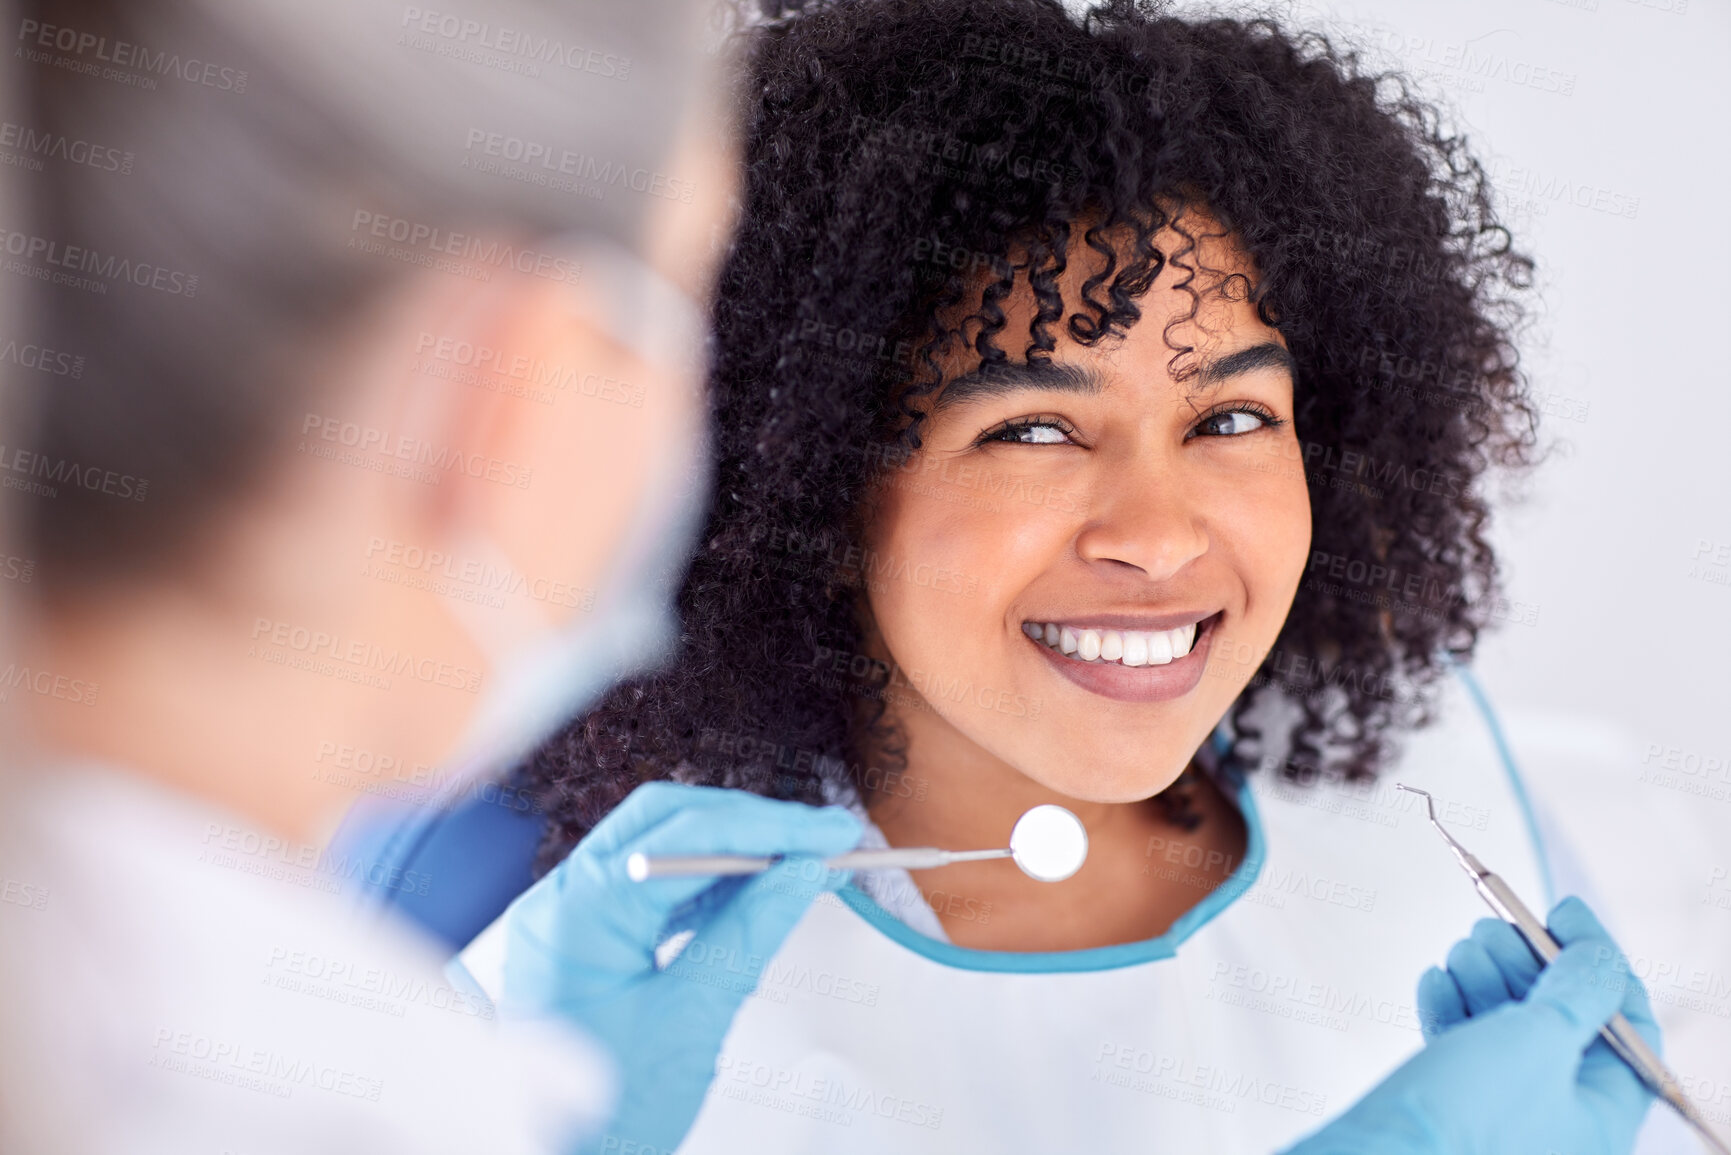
{"points": [[1630, 655]]}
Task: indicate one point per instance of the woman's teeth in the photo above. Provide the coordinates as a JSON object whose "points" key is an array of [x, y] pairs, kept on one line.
{"points": [[1123, 647]]}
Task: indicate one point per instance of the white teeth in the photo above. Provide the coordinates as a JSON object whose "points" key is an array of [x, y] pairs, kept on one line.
{"points": [[1160, 648], [1125, 647]]}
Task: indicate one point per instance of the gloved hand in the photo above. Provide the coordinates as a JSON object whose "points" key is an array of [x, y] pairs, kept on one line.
{"points": [[1512, 1063], [581, 942]]}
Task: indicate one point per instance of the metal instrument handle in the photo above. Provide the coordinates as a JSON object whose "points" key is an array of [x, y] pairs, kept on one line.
{"points": [[643, 866], [1619, 1033]]}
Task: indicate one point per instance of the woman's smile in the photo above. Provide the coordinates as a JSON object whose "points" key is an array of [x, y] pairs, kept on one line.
{"points": [[1114, 658]]}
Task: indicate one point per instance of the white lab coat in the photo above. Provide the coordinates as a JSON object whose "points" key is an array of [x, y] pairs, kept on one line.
{"points": [[174, 981]]}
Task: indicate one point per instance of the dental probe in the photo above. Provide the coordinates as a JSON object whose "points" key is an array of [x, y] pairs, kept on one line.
{"points": [[1619, 1032]]}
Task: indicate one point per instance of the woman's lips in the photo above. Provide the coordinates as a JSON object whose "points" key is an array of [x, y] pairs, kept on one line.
{"points": [[1137, 683]]}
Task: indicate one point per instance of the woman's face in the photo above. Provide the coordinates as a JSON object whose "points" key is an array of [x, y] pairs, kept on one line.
{"points": [[1086, 562]]}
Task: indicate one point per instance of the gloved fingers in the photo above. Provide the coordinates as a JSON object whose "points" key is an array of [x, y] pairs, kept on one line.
{"points": [[1440, 1005], [1484, 971], [654, 802], [1476, 974], [734, 822], [713, 822], [1602, 1071], [670, 818], [730, 953], [1510, 952], [1638, 1009], [645, 807], [1576, 994], [1572, 920], [1605, 1074]]}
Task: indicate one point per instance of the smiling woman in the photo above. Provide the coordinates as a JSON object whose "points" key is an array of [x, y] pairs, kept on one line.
{"points": [[1040, 350], [1243, 233], [1103, 610]]}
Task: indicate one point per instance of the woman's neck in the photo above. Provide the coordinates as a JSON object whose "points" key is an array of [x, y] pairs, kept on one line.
{"points": [[1143, 871]]}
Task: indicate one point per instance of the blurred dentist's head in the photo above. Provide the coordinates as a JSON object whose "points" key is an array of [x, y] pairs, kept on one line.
{"points": [[376, 336]]}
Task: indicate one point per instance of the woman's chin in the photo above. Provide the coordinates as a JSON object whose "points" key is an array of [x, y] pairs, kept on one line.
{"points": [[1107, 782]]}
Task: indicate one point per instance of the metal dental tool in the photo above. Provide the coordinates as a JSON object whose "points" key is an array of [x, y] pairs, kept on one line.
{"points": [[1048, 842], [1619, 1032]]}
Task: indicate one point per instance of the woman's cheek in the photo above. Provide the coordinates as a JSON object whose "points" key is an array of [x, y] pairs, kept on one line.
{"points": [[944, 574], [912, 571], [1259, 528], [932, 564], [1278, 539], [1297, 538]]}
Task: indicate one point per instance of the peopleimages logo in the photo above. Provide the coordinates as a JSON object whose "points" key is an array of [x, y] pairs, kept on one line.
{"points": [[87, 268], [486, 148], [358, 654], [429, 241], [377, 448], [27, 355], [88, 52], [517, 45], [34, 145], [18, 464]]}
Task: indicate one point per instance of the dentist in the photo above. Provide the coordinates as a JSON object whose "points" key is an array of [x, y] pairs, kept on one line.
{"points": [[369, 443]]}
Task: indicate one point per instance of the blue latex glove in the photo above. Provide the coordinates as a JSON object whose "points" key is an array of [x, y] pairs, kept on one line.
{"points": [[1512, 1063], [581, 942]]}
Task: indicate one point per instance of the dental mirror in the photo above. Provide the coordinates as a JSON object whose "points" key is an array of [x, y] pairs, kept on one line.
{"points": [[1048, 843]]}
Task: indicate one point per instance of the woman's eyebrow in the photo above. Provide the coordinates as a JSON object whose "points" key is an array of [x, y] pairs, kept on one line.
{"points": [[996, 377], [1267, 355]]}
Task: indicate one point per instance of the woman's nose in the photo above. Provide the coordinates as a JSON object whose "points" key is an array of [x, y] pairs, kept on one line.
{"points": [[1152, 526]]}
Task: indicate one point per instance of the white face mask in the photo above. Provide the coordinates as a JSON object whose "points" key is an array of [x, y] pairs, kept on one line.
{"points": [[542, 675]]}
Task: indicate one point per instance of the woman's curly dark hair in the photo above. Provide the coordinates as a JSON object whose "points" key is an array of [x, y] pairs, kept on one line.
{"points": [[899, 154]]}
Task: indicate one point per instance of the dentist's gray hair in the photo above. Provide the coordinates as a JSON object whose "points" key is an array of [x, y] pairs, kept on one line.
{"points": [[215, 186]]}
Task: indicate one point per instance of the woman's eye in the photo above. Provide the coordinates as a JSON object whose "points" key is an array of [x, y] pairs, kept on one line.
{"points": [[1231, 423], [1030, 433]]}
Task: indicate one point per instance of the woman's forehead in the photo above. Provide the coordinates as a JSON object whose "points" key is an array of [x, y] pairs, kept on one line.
{"points": [[1199, 304], [1204, 269]]}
